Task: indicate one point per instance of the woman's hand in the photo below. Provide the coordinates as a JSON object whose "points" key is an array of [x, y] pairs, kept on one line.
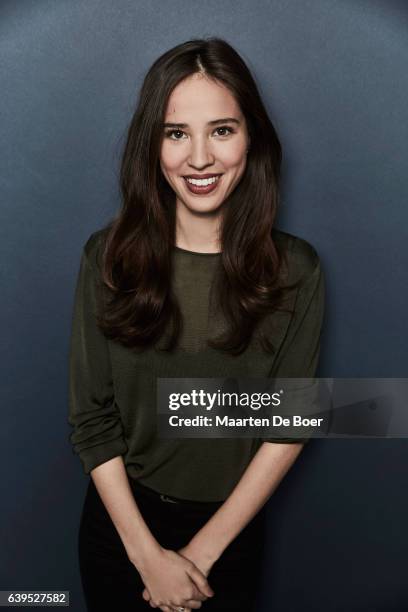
{"points": [[194, 555], [173, 581]]}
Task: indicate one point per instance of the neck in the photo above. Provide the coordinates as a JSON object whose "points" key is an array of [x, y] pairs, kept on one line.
{"points": [[198, 231]]}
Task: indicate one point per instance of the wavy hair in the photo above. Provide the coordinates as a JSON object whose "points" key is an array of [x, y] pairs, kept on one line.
{"points": [[137, 261]]}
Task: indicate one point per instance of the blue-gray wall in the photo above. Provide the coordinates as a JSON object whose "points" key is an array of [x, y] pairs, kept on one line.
{"points": [[333, 74]]}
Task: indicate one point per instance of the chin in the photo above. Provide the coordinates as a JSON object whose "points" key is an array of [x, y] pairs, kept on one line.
{"points": [[203, 202]]}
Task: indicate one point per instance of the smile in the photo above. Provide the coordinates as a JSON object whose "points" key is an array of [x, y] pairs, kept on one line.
{"points": [[202, 186]]}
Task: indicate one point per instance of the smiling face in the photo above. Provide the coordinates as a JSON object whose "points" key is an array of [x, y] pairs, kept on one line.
{"points": [[203, 151]]}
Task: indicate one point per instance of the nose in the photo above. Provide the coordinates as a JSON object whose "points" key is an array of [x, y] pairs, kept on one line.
{"points": [[200, 154]]}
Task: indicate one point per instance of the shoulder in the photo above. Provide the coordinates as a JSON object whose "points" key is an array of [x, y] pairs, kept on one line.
{"points": [[94, 247], [302, 258]]}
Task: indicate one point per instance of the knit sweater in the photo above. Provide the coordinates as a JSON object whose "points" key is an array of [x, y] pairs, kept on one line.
{"points": [[112, 388]]}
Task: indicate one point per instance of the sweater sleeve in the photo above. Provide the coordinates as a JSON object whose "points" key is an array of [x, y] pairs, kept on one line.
{"points": [[97, 434], [298, 356]]}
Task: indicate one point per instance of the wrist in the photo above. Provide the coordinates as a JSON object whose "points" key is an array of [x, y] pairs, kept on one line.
{"points": [[203, 548], [144, 555]]}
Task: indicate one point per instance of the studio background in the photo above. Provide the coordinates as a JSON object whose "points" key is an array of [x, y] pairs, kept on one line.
{"points": [[333, 76]]}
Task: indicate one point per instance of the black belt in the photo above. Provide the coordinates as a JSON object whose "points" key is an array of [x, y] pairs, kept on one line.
{"points": [[138, 486]]}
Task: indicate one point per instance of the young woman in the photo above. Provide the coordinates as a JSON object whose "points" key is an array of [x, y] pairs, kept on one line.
{"points": [[190, 280]]}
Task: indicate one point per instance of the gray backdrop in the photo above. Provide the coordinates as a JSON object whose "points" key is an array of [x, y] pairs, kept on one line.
{"points": [[333, 75]]}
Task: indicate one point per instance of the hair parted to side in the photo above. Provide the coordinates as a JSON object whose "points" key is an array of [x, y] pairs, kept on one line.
{"points": [[137, 262]]}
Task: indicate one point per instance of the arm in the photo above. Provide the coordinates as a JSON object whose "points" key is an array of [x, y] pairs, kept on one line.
{"points": [[259, 481], [167, 575], [297, 357], [112, 484], [97, 434]]}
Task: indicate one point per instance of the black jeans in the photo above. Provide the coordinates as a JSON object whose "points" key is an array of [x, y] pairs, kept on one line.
{"points": [[111, 582]]}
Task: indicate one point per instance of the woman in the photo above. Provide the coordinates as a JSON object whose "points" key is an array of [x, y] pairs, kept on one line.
{"points": [[190, 280]]}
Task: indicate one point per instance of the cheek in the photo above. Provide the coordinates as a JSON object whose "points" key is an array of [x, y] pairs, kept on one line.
{"points": [[233, 157], [170, 158]]}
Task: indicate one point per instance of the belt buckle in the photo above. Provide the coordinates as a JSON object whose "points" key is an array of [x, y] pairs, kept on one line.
{"points": [[167, 499]]}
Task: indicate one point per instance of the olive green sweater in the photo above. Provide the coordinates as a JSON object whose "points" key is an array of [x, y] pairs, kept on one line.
{"points": [[112, 389]]}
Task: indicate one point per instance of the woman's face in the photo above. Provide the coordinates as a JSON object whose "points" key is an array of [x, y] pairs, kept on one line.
{"points": [[204, 137]]}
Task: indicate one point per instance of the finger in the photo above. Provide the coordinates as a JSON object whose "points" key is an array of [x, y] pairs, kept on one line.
{"points": [[200, 580], [193, 604], [197, 594], [146, 595]]}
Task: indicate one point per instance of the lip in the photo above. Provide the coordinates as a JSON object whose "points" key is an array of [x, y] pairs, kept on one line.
{"points": [[197, 190], [201, 176]]}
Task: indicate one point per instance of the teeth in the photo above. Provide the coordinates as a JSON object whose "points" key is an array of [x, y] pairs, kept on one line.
{"points": [[203, 182]]}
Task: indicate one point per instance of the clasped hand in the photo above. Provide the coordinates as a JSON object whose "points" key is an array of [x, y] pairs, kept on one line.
{"points": [[176, 579]]}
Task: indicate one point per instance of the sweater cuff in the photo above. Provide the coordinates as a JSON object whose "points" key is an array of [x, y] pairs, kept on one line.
{"points": [[96, 455]]}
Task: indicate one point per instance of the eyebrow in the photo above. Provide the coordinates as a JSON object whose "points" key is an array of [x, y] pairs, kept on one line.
{"points": [[214, 122]]}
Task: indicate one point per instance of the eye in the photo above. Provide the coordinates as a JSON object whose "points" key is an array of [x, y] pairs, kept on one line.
{"points": [[169, 134], [225, 127]]}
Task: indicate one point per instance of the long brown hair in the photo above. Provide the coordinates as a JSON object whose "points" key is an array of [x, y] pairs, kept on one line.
{"points": [[137, 262]]}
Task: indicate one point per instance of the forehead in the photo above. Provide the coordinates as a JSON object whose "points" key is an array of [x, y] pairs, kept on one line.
{"points": [[199, 98]]}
